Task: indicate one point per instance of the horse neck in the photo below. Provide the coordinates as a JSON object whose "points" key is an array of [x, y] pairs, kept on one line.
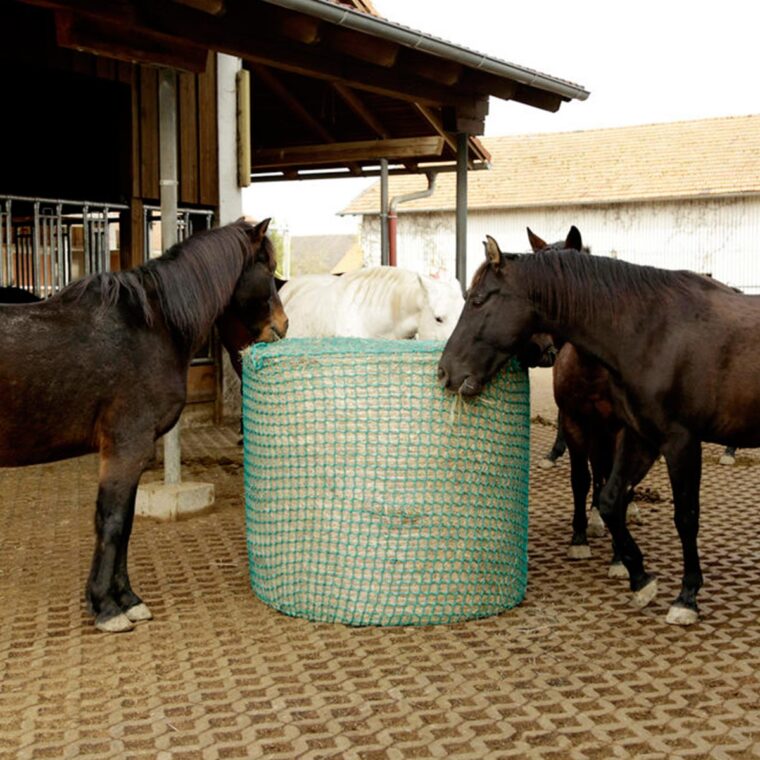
{"points": [[194, 284], [580, 311]]}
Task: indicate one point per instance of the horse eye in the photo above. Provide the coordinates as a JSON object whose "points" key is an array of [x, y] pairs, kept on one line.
{"points": [[439, 320]]}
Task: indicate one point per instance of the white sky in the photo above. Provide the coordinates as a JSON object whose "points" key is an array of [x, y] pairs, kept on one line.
{"points": [[643, 62]]}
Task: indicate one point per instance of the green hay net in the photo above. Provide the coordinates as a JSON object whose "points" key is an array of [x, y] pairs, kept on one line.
{"points": [[372, 496]]}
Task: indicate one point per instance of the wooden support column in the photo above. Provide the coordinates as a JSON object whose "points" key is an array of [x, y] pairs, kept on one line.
{"points": [[384, 245]]}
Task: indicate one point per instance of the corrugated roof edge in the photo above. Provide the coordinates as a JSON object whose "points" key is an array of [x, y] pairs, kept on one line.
{"points": [[403, 35]]}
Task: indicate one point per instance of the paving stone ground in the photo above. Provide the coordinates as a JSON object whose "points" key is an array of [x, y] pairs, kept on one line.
{"points": [[573, 672]]}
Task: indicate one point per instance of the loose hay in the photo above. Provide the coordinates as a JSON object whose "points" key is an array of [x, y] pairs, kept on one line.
{"points": [[370, 497]]}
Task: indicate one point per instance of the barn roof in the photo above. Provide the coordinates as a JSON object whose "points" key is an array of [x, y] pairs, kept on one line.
{"points": [[335, 88], [687, 159]]}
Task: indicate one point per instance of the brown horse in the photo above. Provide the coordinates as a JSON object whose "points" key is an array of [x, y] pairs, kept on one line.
{"points": [[102, 366], [586, 424], [680, 351]]}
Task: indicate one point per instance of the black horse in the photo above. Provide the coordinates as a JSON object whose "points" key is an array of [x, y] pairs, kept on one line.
{"points": [[680, 351], [102, 366]]}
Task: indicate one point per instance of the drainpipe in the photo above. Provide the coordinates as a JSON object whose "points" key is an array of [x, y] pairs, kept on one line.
{"points": [[393, 218]]}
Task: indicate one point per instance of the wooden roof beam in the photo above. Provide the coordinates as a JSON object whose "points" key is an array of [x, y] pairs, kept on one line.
{"points": [[429, 67], [355, 103], [341, 153], [296, 108], [436, 122], [126, 44], [212, 7], [361, 46]]}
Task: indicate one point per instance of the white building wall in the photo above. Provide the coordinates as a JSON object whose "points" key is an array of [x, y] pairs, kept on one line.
{"points": [[719, 237]]}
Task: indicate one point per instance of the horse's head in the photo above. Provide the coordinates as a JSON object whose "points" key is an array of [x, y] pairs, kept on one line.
{"points": [[255, 313], [441, 307], [497, 322]]}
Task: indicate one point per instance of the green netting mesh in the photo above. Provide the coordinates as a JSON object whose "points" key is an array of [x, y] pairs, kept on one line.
{"points": [[372, 496]]}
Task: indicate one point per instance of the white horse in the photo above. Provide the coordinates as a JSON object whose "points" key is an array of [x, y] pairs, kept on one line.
{"points": [[378, 302]]}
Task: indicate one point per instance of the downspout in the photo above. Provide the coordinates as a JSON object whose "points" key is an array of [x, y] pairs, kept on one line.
{"points": [[393, 218]]}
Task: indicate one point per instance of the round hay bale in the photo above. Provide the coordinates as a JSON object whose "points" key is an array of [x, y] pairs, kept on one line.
{"points": [[372, 496]]}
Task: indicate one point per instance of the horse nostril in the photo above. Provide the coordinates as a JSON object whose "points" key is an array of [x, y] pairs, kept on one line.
{"points": [[443, 376]]}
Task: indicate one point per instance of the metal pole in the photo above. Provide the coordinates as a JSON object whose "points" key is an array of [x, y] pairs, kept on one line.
{"points": [[167, 110], [461, 222], [384, 246]]}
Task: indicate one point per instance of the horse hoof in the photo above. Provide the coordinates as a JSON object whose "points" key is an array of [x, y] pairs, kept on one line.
{"points": [[546, 464], [644, 595], [633, 516], [115, 624], [579, 551], [138, 613], [617, 570], [595, 524], [727, 459], [678, 615]]}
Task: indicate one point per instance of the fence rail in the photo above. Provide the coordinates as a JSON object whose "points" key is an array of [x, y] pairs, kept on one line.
{"points": [[47, 243]]}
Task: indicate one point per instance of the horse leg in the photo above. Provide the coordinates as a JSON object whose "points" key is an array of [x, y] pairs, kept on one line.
{"points": [[626, 466], [600, 457], [109, 595], [580, 480], [640, 461], [684, 459], [558, 448]]}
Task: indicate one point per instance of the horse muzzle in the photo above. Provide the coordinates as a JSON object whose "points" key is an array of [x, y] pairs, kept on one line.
{"points": [[470, 386]]}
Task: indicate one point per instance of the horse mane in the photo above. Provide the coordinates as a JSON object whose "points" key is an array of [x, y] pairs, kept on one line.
{"points": [[581, 285], [192, 282]]}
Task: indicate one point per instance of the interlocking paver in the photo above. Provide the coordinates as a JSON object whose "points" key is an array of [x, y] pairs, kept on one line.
{"points": [[573, 672]]}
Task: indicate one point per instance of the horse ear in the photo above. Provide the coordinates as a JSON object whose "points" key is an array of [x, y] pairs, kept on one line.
{"points": [[493, 252], [255, 230], [573, 240], [536, 243]]}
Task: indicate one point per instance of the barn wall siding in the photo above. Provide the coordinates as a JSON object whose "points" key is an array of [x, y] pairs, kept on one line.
{"points": [[718, 237]]}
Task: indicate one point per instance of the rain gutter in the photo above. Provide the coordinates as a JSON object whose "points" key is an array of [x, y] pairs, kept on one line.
{"points": [[401, 35]]}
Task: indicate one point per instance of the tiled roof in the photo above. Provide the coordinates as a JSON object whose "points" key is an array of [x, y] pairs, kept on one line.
{"points": [[365, 6], [677, 160]]}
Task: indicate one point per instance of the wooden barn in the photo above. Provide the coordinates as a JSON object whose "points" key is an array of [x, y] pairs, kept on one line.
{"points": [[683, 195], [261, 90]]}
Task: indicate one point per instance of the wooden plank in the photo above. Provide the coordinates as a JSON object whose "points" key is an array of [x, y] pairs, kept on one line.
{"points": [[243, 115], [148, 133], [365, 150], [362, 46], [135, 167], [213, 7], [201, 383], [188, 138], [133, 248], [208, 186], [106, 38]]}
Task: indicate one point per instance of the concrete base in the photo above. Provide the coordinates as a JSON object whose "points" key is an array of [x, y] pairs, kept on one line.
{"points": [[163, 501]]}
